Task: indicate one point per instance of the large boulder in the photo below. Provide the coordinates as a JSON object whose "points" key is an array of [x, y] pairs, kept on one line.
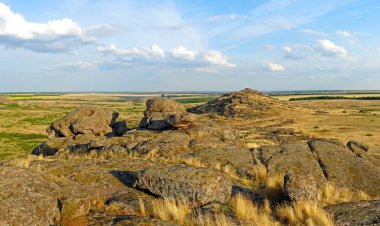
{"points": [[196, 185], [293, 158], [84, 120], [27, 198], [346, 169], [298, 187], [356, 213], [165, 114]]}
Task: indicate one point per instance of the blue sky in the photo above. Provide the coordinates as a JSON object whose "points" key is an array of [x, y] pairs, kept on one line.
{"points": [[137, 45]]}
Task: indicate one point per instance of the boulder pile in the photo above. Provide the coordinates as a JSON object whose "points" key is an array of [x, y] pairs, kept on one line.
{"points": [[246, 104]]}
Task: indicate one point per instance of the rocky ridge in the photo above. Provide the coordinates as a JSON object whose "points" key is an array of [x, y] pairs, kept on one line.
{"points": [[98, 170]]}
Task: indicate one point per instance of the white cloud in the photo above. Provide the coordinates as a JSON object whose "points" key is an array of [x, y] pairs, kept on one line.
{"points": [[76, 65], [182, 53], [222, 17], [52, 36], [329, 49], [343, 34], [175, 56], [313, 32], [287, 49], [275, 67]]}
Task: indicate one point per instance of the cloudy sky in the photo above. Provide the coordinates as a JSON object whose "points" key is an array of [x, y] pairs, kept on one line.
{"points": [[146, 45]]}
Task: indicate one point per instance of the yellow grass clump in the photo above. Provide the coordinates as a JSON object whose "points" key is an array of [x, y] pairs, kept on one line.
{"points": [[247, 211], [303, 213], [171, 210], [332, 194], [25, 162]]}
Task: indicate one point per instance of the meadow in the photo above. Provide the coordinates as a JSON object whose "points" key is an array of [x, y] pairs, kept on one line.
{"points": [[25, 116]]}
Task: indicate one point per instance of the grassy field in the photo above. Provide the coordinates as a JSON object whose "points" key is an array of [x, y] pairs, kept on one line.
{"points": [[24, 117]]}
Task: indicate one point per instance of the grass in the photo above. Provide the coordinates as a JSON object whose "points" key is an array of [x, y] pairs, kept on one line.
{"points": [[335, 98], [303, 213]]}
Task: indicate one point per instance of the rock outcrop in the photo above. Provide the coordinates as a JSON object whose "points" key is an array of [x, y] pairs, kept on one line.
{"points": [[196, 185], [27, 198], [325, 160], [356, 213], [84, 120], [299, 187], [165, 114], [246, 103]]}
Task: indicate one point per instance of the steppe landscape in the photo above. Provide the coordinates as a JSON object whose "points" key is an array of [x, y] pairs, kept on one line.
{"points": [[241, 158], [189, 113]]}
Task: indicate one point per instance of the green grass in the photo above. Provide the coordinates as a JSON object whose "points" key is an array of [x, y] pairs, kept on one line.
{"points": [[18, 144], [194, 100]]}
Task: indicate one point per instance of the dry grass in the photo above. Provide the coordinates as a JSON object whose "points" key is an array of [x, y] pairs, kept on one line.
{"points": [[332, 194], [303, 213], [260, 173], [171, 210], [247, 211], [25, 162], [275, 188], [72, 215]]}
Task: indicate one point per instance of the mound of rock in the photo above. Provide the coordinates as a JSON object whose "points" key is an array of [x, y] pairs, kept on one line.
{"points": [[196, 185], [85, 120], [165, 114], [245, 103]]}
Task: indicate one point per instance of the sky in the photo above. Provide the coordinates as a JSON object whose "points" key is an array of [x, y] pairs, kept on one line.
{"points": [[198, 45]]}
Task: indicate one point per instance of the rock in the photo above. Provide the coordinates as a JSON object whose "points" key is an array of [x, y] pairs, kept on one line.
{"points": [[344, 168], [357, 147], [120, 128], [84, 120], [294, 159], [356, 213], [230, 156], [246, 103], [27, 198], [299, 187], [128, 201], [196, 185], [102, 218], [165, 114], [167, 143]]}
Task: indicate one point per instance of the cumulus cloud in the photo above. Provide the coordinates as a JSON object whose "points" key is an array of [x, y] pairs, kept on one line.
{"points": [[275, 67], [329, 49], [176, 56], [343, 34], [52, 36]]}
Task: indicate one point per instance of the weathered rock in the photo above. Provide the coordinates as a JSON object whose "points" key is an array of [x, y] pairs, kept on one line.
{"points": [[294, 158], [127, 201], [27, 198], [356, 213], [357, 147], [119, 128], [229, 156], [345, 168], [102, 218], [165, 114], [299, 187], [166, 144], [195, 185], [84, 120], [245, 103]]}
